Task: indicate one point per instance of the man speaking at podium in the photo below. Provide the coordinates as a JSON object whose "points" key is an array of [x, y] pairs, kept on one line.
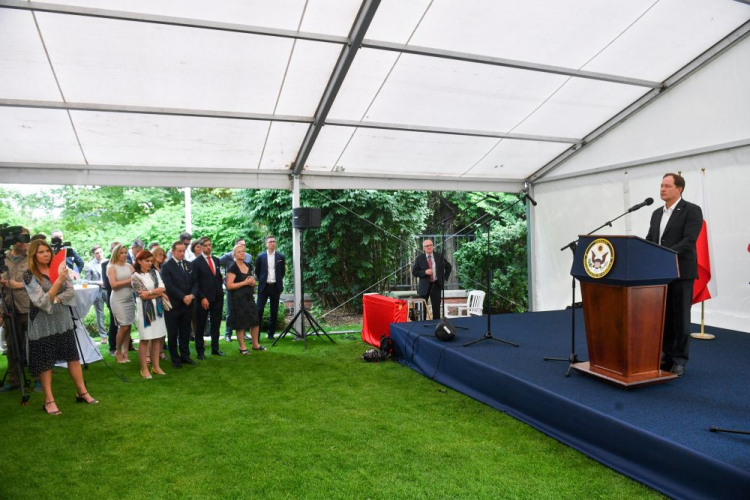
{"points": [[677, 225]]}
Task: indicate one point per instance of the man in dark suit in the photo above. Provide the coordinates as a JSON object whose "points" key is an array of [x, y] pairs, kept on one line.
{"points": [[677, 225], [112, 330], [182, 289], [270, 267], [432, 270], [207, 269]]}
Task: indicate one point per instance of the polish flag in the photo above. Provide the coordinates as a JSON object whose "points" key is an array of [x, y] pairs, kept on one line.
{"points": [[704, 287]]}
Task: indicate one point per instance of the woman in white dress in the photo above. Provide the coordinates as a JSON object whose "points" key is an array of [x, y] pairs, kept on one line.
{"points": [[150, 305]]}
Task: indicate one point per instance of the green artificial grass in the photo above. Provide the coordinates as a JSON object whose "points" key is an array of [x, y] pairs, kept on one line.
{"points": [[285, 423]]}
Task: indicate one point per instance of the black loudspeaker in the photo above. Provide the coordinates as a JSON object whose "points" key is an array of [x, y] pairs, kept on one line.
{"points": [[445, 330], [305, 218]]}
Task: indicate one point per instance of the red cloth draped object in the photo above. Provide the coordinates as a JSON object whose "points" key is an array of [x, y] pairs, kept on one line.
{"points": [[378, 313]]}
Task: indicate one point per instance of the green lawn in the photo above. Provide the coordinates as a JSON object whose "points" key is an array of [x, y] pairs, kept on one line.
{"points": [[285, 423]]}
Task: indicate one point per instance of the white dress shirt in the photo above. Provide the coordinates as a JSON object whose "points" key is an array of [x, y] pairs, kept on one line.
{"points": [[666, 214]]}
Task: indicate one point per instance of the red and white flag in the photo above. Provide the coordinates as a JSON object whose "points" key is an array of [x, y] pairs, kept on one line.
{"points": [[704, 287]]}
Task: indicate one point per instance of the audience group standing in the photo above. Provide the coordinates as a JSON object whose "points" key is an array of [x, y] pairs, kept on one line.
{"points": [[177, 294]]}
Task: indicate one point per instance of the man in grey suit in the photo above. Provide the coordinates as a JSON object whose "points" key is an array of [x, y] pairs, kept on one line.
{"points": [[94, 276], [677, 225]]}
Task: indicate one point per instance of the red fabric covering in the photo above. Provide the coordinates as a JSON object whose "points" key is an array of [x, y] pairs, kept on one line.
{"points": [[378, 313]]}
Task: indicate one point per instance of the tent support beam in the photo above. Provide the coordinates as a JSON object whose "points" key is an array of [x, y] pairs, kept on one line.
{"points": [[359, 28], [168, 21], [297, 249], [717, 148], [233, 115], [695, 65], [506, 63]]}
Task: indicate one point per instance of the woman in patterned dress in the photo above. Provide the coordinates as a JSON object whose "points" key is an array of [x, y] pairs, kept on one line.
{"points": [[51, 334], [151, 301]]}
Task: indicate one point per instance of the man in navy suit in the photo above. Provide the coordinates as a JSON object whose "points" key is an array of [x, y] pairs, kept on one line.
{"points": [[182, 289], [432, 270], [677, 225], [270, 266], [207, 269]]}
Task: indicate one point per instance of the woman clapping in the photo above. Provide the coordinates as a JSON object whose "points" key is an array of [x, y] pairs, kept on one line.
{"points": [[51, 334]]}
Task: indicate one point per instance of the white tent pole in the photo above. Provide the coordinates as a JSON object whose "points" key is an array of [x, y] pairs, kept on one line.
{"points": [[530, 214], [297, 250], [188, 210]]}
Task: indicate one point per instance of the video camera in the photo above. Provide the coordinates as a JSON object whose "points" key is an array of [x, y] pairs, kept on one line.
{"points": [[58, 244], [9, 236]]}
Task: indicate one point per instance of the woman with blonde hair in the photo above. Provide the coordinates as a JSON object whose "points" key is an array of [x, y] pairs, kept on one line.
{"points": [[152, 300], [241, 285], [51, 333], [121, 300]]}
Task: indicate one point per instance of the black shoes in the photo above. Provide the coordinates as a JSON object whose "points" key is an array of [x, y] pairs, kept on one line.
{"points": [[666, 366], [201, 357], [176, 364], [678, 370], [217, 353], [191, 362]]}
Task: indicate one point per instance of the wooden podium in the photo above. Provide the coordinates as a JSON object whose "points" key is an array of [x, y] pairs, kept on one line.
{"points": [[624, 289]]}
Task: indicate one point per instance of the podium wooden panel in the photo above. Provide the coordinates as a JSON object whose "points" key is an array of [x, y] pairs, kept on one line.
{"points": [[624, 312]]}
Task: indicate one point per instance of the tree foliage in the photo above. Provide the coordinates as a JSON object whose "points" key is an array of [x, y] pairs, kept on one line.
{"points": [[507, 257], [358, 244]]}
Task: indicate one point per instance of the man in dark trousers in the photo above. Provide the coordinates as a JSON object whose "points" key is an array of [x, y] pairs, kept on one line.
{"points": [[207, 269], [270, 267], [677, 225], [112, 328], [182, 289], [432, 270]]}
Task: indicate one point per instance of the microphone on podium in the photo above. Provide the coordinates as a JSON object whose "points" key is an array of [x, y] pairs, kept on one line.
{"points": [[644, 203]]}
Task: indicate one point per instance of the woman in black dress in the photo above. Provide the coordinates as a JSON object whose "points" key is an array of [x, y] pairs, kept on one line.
{"points": [[241, 284]]}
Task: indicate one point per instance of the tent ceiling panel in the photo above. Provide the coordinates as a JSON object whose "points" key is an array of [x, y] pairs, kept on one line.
{"points": [[445, 93], [310, 67], [557, 33], [578, 107], [25, 71], [396, 20], [668, 37], [129, 139], [120, 62], [711, 108], [329, 147], [282, 145], [37, 135], [388, 151], [512, 159], [321, 16]]}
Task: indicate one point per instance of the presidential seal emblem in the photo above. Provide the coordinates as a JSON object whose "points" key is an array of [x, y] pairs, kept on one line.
{"points": [[599, 258]]}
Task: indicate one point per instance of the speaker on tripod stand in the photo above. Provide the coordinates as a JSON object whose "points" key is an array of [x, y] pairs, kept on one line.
{"points": [[304, 218]]}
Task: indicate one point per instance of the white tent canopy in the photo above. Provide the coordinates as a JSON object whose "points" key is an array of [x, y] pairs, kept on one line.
{"points": [[566, 96]]}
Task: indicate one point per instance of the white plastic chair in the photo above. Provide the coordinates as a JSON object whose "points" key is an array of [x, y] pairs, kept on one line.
{"points": [[473, 307]]}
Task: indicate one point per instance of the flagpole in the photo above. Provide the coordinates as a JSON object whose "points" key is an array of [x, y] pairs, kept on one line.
{"points": [[703, 335]]}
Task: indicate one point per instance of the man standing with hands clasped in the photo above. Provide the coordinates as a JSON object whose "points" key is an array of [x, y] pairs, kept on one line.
{"points": [[677, 225], [210, 297], [182, 289], [432, 270]]}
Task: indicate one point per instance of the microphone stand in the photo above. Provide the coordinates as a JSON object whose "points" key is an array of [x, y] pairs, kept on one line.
{"points": [[573, 357]]}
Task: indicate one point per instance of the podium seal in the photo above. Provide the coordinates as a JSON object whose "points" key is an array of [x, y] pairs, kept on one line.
{"points": [[599, 258]]}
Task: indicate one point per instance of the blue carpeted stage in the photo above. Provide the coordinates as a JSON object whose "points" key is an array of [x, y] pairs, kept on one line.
{"points": [[657, 435]]}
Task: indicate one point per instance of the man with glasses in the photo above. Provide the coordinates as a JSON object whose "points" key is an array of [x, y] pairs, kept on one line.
{"points": [[432, 270]]}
